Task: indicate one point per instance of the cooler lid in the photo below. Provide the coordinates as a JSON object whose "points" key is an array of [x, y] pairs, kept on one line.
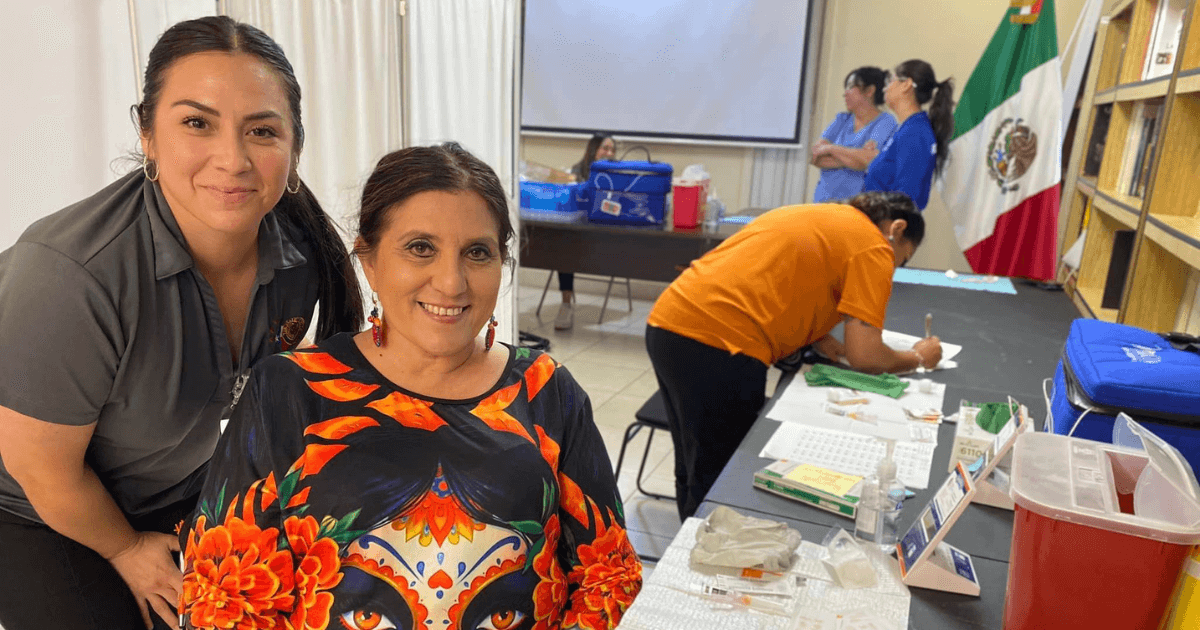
{"points": [[1071, 479], [655, 168], [1127, 368]]}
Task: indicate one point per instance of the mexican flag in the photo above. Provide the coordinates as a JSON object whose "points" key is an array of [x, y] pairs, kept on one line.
{"points": [[1001, 182]]}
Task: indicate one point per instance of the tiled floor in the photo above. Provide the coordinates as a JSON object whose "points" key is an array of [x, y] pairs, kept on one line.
{"points": [[609, 360]]}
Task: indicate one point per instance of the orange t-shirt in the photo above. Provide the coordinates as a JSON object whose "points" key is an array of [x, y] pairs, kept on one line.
{"points": [[782, 282]]}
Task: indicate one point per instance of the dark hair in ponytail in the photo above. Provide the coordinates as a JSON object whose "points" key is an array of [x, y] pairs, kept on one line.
{"points": [[941, 112], [339, 294], [890, 206]]}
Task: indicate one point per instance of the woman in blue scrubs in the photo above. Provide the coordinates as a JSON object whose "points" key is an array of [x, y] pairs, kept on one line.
{"points": [[853, 139], [918, 149]]}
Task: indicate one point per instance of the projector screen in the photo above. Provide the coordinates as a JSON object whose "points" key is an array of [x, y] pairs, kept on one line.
{"points": [[728, 71]]}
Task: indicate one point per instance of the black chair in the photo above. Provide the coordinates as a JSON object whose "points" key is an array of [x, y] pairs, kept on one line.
{"points": [[652, 415], [607, 293]]}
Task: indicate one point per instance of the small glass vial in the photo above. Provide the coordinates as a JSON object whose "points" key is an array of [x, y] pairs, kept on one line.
{"points": [[866, 518]]}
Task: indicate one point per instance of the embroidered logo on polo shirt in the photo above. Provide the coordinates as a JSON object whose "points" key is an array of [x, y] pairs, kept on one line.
{"points": [[290, 333]]}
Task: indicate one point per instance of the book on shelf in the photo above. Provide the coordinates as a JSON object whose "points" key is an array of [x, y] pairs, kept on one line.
{"points": [[1159, 57], [1095, 145], [1118, 268], [820, 487], [1144, 138]]}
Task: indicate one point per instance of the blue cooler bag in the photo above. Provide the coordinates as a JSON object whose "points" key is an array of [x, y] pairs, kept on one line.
{"points": [[1108, 368], [549, 202], [626, 193]]}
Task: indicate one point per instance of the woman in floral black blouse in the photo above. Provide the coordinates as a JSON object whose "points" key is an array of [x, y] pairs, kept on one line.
{"points": [[414, 476]]}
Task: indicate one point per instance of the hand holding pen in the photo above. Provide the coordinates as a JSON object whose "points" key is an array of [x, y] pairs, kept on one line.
{"points": [[929, 349]]}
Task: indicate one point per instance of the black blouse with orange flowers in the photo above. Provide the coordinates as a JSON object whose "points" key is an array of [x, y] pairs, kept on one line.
{"points": [[338, 499]]}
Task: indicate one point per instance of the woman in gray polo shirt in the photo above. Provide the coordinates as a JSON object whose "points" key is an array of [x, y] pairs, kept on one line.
{"points": [[130, 320]]}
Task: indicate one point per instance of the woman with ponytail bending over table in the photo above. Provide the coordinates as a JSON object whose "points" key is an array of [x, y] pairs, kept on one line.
{"points": [[781, 283], [918, 149]]}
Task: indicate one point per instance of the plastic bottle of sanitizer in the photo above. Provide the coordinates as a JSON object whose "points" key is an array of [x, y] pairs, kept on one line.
{"points": [[878, 517]]}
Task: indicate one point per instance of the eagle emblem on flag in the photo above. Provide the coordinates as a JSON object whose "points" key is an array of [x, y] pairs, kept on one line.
{"points": [[1012, 149]]}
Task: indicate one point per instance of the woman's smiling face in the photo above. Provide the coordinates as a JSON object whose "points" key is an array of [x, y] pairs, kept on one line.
{"points": [[437, 270]]}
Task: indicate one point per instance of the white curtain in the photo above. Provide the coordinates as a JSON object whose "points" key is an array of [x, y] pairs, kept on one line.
{"points": [[347, 56], [152, 17], [463, 70], [778, 177]]}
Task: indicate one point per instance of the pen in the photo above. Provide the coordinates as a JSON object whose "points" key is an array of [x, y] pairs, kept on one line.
{"points": [[928, 325]]}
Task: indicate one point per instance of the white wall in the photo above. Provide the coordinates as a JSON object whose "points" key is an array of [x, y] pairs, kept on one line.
{"points": [[68, 82], [950, 34]]}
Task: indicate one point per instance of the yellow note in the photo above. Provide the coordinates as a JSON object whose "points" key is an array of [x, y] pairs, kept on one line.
{"points": [[823, 479]]}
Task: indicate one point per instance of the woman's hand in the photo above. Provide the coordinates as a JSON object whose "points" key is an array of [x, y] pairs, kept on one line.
{"points": [[930, 351], [148, 569], [872, 149]]}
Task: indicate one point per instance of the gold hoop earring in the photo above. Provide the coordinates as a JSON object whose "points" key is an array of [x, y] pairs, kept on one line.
{"points": [[146, 164], [294, 189]]}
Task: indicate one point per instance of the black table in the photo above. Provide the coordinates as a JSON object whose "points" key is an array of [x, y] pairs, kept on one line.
{"points": [[1010, 344], [643, 253]]}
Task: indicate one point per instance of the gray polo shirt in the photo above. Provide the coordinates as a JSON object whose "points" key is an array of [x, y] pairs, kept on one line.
{"points": [[104, 318]]}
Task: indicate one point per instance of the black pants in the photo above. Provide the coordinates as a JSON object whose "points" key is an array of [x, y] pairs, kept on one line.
{"points": [[566, 281], [50, 581], [712, 399]]}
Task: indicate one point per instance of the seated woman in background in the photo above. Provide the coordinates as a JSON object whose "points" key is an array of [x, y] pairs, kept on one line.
{"points": [[781, 283], [918, 149], [408, 476], [853, 139], [600, 147]]}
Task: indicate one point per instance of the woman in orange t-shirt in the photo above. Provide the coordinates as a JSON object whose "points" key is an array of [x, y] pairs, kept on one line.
{"points": [[781, 283]]}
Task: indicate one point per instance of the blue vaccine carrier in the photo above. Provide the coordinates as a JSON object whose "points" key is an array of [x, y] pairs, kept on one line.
{"points": [[626, 193]]}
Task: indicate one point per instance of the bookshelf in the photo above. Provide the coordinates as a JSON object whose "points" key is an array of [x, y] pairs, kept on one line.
{"points": [[1132, 173]]}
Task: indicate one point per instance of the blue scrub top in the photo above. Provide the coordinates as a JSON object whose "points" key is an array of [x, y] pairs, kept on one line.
{"points": [[905, 163], [841, 183]]}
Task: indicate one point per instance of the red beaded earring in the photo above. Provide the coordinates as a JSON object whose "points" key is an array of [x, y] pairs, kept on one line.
{"points": [[491, 334], [376, 321]]}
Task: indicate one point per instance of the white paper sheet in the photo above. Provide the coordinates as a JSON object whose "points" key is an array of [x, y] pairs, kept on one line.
{"points": [[805, 404], [901, 342], [849, 453]]}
